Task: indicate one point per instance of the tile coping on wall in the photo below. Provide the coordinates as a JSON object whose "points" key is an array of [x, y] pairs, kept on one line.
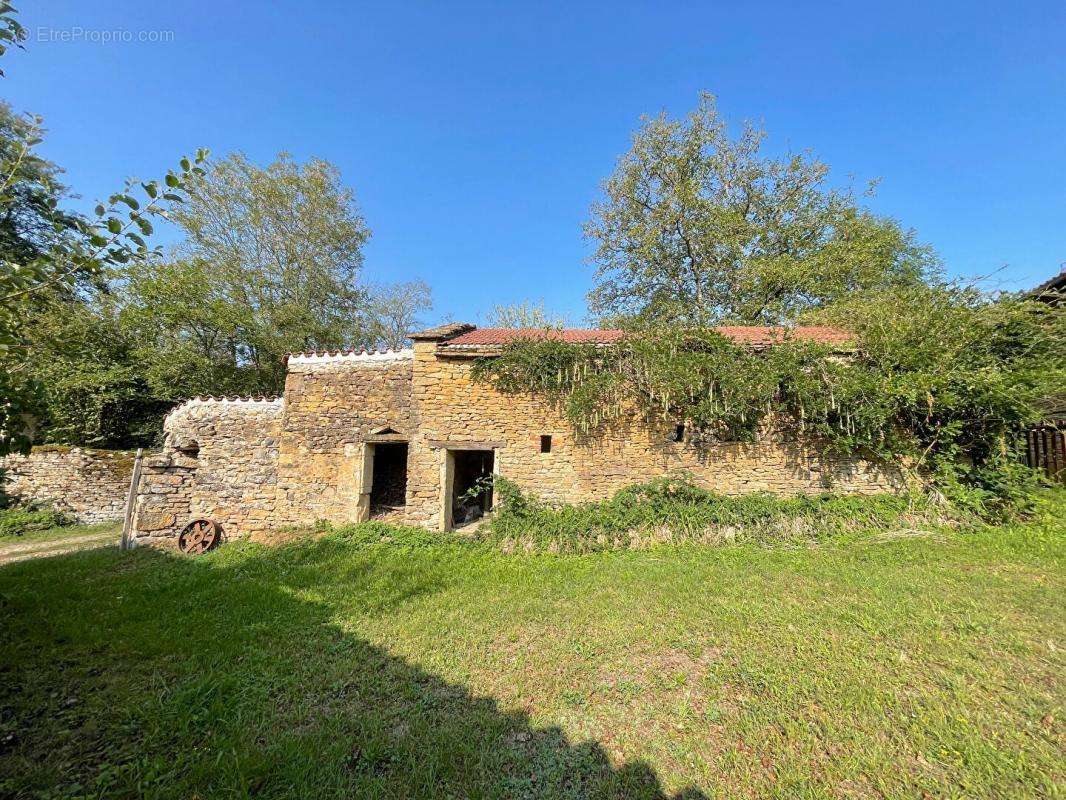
{"points": [[348, 356]]}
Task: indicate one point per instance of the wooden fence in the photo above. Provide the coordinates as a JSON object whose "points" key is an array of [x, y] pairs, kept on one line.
{"points": [[1046, 450]]}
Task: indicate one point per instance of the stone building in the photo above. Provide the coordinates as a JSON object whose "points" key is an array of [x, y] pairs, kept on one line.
{"points": [[405, 434]]}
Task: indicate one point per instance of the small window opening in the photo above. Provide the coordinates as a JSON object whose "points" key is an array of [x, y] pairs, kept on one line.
{"points": [[189, 448], [679, 434], [545, 444]]}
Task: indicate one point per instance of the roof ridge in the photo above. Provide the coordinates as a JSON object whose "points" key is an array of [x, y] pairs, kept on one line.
{"points": [[749, 334]]}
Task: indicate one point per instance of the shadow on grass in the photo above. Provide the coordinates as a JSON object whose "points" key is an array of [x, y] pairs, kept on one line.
{"points": [[148, 675]]}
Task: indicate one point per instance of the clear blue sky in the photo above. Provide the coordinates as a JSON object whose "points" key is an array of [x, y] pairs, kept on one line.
{"points": [[476, 136]]}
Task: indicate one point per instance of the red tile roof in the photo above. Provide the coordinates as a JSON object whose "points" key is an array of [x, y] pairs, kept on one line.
{"points": [[755, 336], [499, 336]]}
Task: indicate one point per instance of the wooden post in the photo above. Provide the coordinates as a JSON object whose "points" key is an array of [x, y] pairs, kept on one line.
{"points": [[131, 500]]}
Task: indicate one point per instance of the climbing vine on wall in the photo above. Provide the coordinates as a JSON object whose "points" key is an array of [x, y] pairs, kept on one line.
{"points": [[939, 379], [699, 379]]}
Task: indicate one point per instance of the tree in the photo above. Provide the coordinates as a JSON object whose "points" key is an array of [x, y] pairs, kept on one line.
{"points": [[47, 265], [270, 266], [524, 315], [93, 387], [47, 254], [281, 249], [396, 311], [11, 30], [698, 228], [29, 210]]}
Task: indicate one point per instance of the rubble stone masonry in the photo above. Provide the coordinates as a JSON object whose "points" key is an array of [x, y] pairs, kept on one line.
{"points": [[333, 403], [455, 411], [220, 461], [256, 465], [90, 485]]}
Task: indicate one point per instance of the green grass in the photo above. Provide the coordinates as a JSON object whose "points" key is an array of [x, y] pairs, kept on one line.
{"points": [[57, 534], [19, 521], [379, 662]]}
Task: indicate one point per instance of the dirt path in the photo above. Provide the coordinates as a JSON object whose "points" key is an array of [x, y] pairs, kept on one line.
{"points": [[10, 553]]}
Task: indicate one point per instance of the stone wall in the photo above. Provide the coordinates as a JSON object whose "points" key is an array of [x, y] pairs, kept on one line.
{"points": [[220, 461], [91, 485], [453, 411], [254, 465], [333, 403]]}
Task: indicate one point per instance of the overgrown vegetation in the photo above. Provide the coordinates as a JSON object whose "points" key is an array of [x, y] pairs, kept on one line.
{"points": [[22, 520], [698, 229], [940, 380], [675, 510]]}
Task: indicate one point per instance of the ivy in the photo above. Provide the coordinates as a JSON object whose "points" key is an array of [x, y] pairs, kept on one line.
{"points": [[940, 381]]}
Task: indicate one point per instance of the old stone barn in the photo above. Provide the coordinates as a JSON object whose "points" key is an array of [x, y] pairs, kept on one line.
{"points": [[405, 435]]}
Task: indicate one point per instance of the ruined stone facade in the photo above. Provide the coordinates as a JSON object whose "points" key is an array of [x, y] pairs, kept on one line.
{"points": [[220, 461], [310, 455], [90, 485]]}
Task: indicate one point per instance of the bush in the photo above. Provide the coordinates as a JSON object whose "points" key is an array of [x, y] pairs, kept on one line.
{"points": [[22, 520], [675, 510], [375, 532]]}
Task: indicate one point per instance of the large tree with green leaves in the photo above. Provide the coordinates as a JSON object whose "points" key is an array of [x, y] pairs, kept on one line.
{"points": [[271, 264], [50, 257], [698, 227]]}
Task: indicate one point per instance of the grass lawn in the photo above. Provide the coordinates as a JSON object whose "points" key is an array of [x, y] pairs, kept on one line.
{"points": [[59, 534], [883, 666]]}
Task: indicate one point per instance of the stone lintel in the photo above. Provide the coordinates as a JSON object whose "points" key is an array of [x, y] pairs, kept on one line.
{"points": [[385, 437], [449, 445]]}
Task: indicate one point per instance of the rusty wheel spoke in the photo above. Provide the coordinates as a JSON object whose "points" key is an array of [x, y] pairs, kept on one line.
{"points": [[199, 536]]}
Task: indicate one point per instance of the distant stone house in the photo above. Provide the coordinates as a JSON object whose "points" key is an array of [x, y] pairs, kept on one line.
{"points": [[407, 433]]}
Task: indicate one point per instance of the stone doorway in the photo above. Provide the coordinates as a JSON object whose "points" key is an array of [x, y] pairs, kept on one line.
{"points": [[388, 483], [465, 470]]}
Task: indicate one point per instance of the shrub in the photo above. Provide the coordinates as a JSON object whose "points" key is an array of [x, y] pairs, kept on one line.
{"points": [[27, 519], [675, 510]]}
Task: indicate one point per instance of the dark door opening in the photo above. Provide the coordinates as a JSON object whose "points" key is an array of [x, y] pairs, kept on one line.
{"points": [[473, 468], [388, 489]]}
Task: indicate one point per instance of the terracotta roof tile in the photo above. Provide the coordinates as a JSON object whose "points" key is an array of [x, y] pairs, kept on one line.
{"points": [[755, 336], [500, 336]]}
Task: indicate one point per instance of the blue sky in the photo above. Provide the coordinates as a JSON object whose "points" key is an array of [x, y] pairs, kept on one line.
{"points": [[476, 135]]}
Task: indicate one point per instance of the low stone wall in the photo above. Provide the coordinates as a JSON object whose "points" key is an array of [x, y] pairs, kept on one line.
{"points": [[91, 485]]}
